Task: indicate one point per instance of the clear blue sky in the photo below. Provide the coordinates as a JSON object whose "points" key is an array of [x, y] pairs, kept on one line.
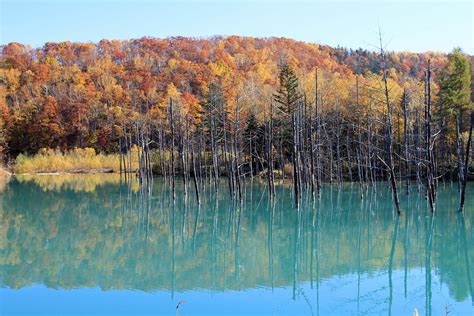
{"points": [[406, 25]]}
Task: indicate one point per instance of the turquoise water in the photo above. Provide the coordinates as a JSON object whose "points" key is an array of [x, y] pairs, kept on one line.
{"points": [[89, 245]]}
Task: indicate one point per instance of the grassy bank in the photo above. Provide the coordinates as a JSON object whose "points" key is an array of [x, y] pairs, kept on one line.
{"points": [[75, 160]]}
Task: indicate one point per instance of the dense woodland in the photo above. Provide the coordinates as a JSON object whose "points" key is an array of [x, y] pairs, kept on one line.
{"points": [[240, 107]]}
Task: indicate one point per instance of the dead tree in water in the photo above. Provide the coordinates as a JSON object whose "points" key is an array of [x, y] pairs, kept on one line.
{"points": [[294, 160], [269, 138], [196, 186], [237, 149], [370, 162], [430, 168], [171, 122], [310, 133], [459, 150], [318, 134], [466, 167], [389, 163], [182, 150], [406, 141], [417, 155], [227, 160]]}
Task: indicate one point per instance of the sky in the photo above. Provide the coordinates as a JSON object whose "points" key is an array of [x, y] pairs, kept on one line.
{"points": [[406, 25]]}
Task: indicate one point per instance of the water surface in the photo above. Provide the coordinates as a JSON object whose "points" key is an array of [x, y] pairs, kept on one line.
{"points": [[76, 245]]}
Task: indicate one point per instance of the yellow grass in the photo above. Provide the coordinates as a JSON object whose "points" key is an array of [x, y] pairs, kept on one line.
{"points": [[49, 160]]}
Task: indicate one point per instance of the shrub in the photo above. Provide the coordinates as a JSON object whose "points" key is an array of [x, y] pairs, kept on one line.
{"points": [[49, 160]]}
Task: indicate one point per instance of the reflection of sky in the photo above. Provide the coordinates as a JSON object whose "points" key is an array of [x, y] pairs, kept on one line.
{"points": [[337, 296]]}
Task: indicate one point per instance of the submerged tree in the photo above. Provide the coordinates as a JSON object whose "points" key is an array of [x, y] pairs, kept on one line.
{"points": [[390, 163]]}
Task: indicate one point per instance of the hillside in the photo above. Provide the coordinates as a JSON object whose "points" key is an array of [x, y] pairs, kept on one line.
{"points": [[66, 94]]}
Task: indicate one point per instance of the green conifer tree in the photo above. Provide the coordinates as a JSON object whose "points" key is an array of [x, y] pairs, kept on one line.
{"points": [[287, 94], [455, 80]]}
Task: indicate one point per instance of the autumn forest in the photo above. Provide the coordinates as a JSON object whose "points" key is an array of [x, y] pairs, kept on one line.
{"points": [[239, 107]]}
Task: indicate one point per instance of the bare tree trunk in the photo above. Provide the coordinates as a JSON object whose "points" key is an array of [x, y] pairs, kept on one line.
{"points": [[466, 167], [236, 152], [228, 167], [294, 161], [172, 148], [196, 187], [130, 152], [318, 135], [359, 137], [370, 150], [405, 141], [348, 150], [215, 162], [430, 173], [311, 152], [121, 155], [393, 181], [417, 147], [442, 150], [182, 149], [270, 175]]}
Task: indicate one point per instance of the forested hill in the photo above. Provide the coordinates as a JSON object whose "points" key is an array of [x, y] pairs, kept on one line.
{"points": [[68, 94]]}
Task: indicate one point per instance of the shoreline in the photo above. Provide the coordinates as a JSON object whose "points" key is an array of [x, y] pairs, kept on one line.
{"points": [[84, 171], [4, 172]]}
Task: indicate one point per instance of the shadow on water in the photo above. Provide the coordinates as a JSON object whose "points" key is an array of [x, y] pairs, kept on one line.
{"points": [[333, 253]]}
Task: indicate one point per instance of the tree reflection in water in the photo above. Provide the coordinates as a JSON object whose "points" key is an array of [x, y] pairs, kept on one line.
{"points": [[97, 231]]}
